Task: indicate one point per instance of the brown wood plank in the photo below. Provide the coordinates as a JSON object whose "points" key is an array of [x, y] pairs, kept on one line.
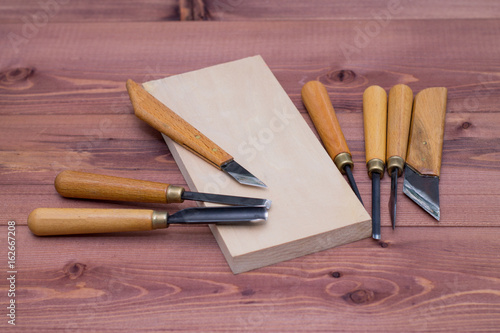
{"points": [[235, 10], [426, 279], [40, 13], [52, 11]]}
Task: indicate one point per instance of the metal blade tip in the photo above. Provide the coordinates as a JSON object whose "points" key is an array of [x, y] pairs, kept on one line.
{"points": [[241, 175], [423, 190], [393, 200]]}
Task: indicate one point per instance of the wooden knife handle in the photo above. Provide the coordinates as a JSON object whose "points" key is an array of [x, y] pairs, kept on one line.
{"points": [[398, 126], [153, 112], [375, 124], [425, 146], [71, 221], [75, 184], [319, 106]]}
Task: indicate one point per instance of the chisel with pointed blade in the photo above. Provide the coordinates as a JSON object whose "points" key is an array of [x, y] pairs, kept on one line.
{"points": [[425, 148], [83, 185], [320, 108], [163, 119], [375, 124], [398, 128], [73, 221]]}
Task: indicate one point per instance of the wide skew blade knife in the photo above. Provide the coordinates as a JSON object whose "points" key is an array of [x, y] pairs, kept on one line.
{"points": [[425, 147], [163, 119]]}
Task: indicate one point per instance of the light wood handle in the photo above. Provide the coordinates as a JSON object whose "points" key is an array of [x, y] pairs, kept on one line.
{"points": [[75, 184], [427, 131], [153, 112], [398, 125], [319, 106], [375, 124], [70, 221]]}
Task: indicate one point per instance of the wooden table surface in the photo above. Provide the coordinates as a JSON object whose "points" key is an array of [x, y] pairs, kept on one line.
{"points": [[63, 105]]}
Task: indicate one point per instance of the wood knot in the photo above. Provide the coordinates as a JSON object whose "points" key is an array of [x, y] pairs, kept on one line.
{"points": [[335, 275], [15, 75], [361, 296], [466, 125], [384, 244], [247, 292], [343, 75], [74, 270]]}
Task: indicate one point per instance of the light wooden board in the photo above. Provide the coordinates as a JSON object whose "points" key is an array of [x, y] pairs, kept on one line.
{"points": [[242, 107]]}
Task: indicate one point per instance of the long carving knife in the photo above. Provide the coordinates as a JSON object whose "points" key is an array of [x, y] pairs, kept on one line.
{"points": [[163, 119], [320, 108], [425, 148], [73, 221], [375, 125], [76, 184], [398, 128]]}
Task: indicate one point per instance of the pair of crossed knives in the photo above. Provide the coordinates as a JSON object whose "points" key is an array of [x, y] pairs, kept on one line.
{"points": [[74, 184]]}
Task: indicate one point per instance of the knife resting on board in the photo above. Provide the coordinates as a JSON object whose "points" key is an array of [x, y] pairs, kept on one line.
{"points": [[163, 119], [72, 221], [83, 185]]}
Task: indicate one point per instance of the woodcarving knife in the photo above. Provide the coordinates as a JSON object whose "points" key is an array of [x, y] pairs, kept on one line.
{"points": [[375, 124], [398, 128], [320, 108], [160, 117], [76, 184], [425, 147], [72, 221]]}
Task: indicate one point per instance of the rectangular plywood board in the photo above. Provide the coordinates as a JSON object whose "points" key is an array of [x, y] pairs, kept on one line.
{"points": [[242, 108]]}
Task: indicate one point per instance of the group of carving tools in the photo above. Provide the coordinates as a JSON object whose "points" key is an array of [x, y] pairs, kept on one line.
{"points": [[73, 184], [393, 135]]}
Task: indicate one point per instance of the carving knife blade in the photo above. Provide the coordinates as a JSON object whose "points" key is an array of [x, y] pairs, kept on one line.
{"points": [[425, 148]]}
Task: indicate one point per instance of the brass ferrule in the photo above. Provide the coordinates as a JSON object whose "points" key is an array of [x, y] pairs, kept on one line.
{"points": [[174, 194], [395, 162], [343, 159], [375, 165], [159, 220]]}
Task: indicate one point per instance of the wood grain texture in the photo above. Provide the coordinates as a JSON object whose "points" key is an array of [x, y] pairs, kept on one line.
{"points": [[71, 221], [81, 119], [375, 122], [268, 136], [377, 10], [163, 119], [63, 104], [399, 107], [64, 11], [413, 281], [59, 11], [84, 185], [320, 109], [425, 145]]}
